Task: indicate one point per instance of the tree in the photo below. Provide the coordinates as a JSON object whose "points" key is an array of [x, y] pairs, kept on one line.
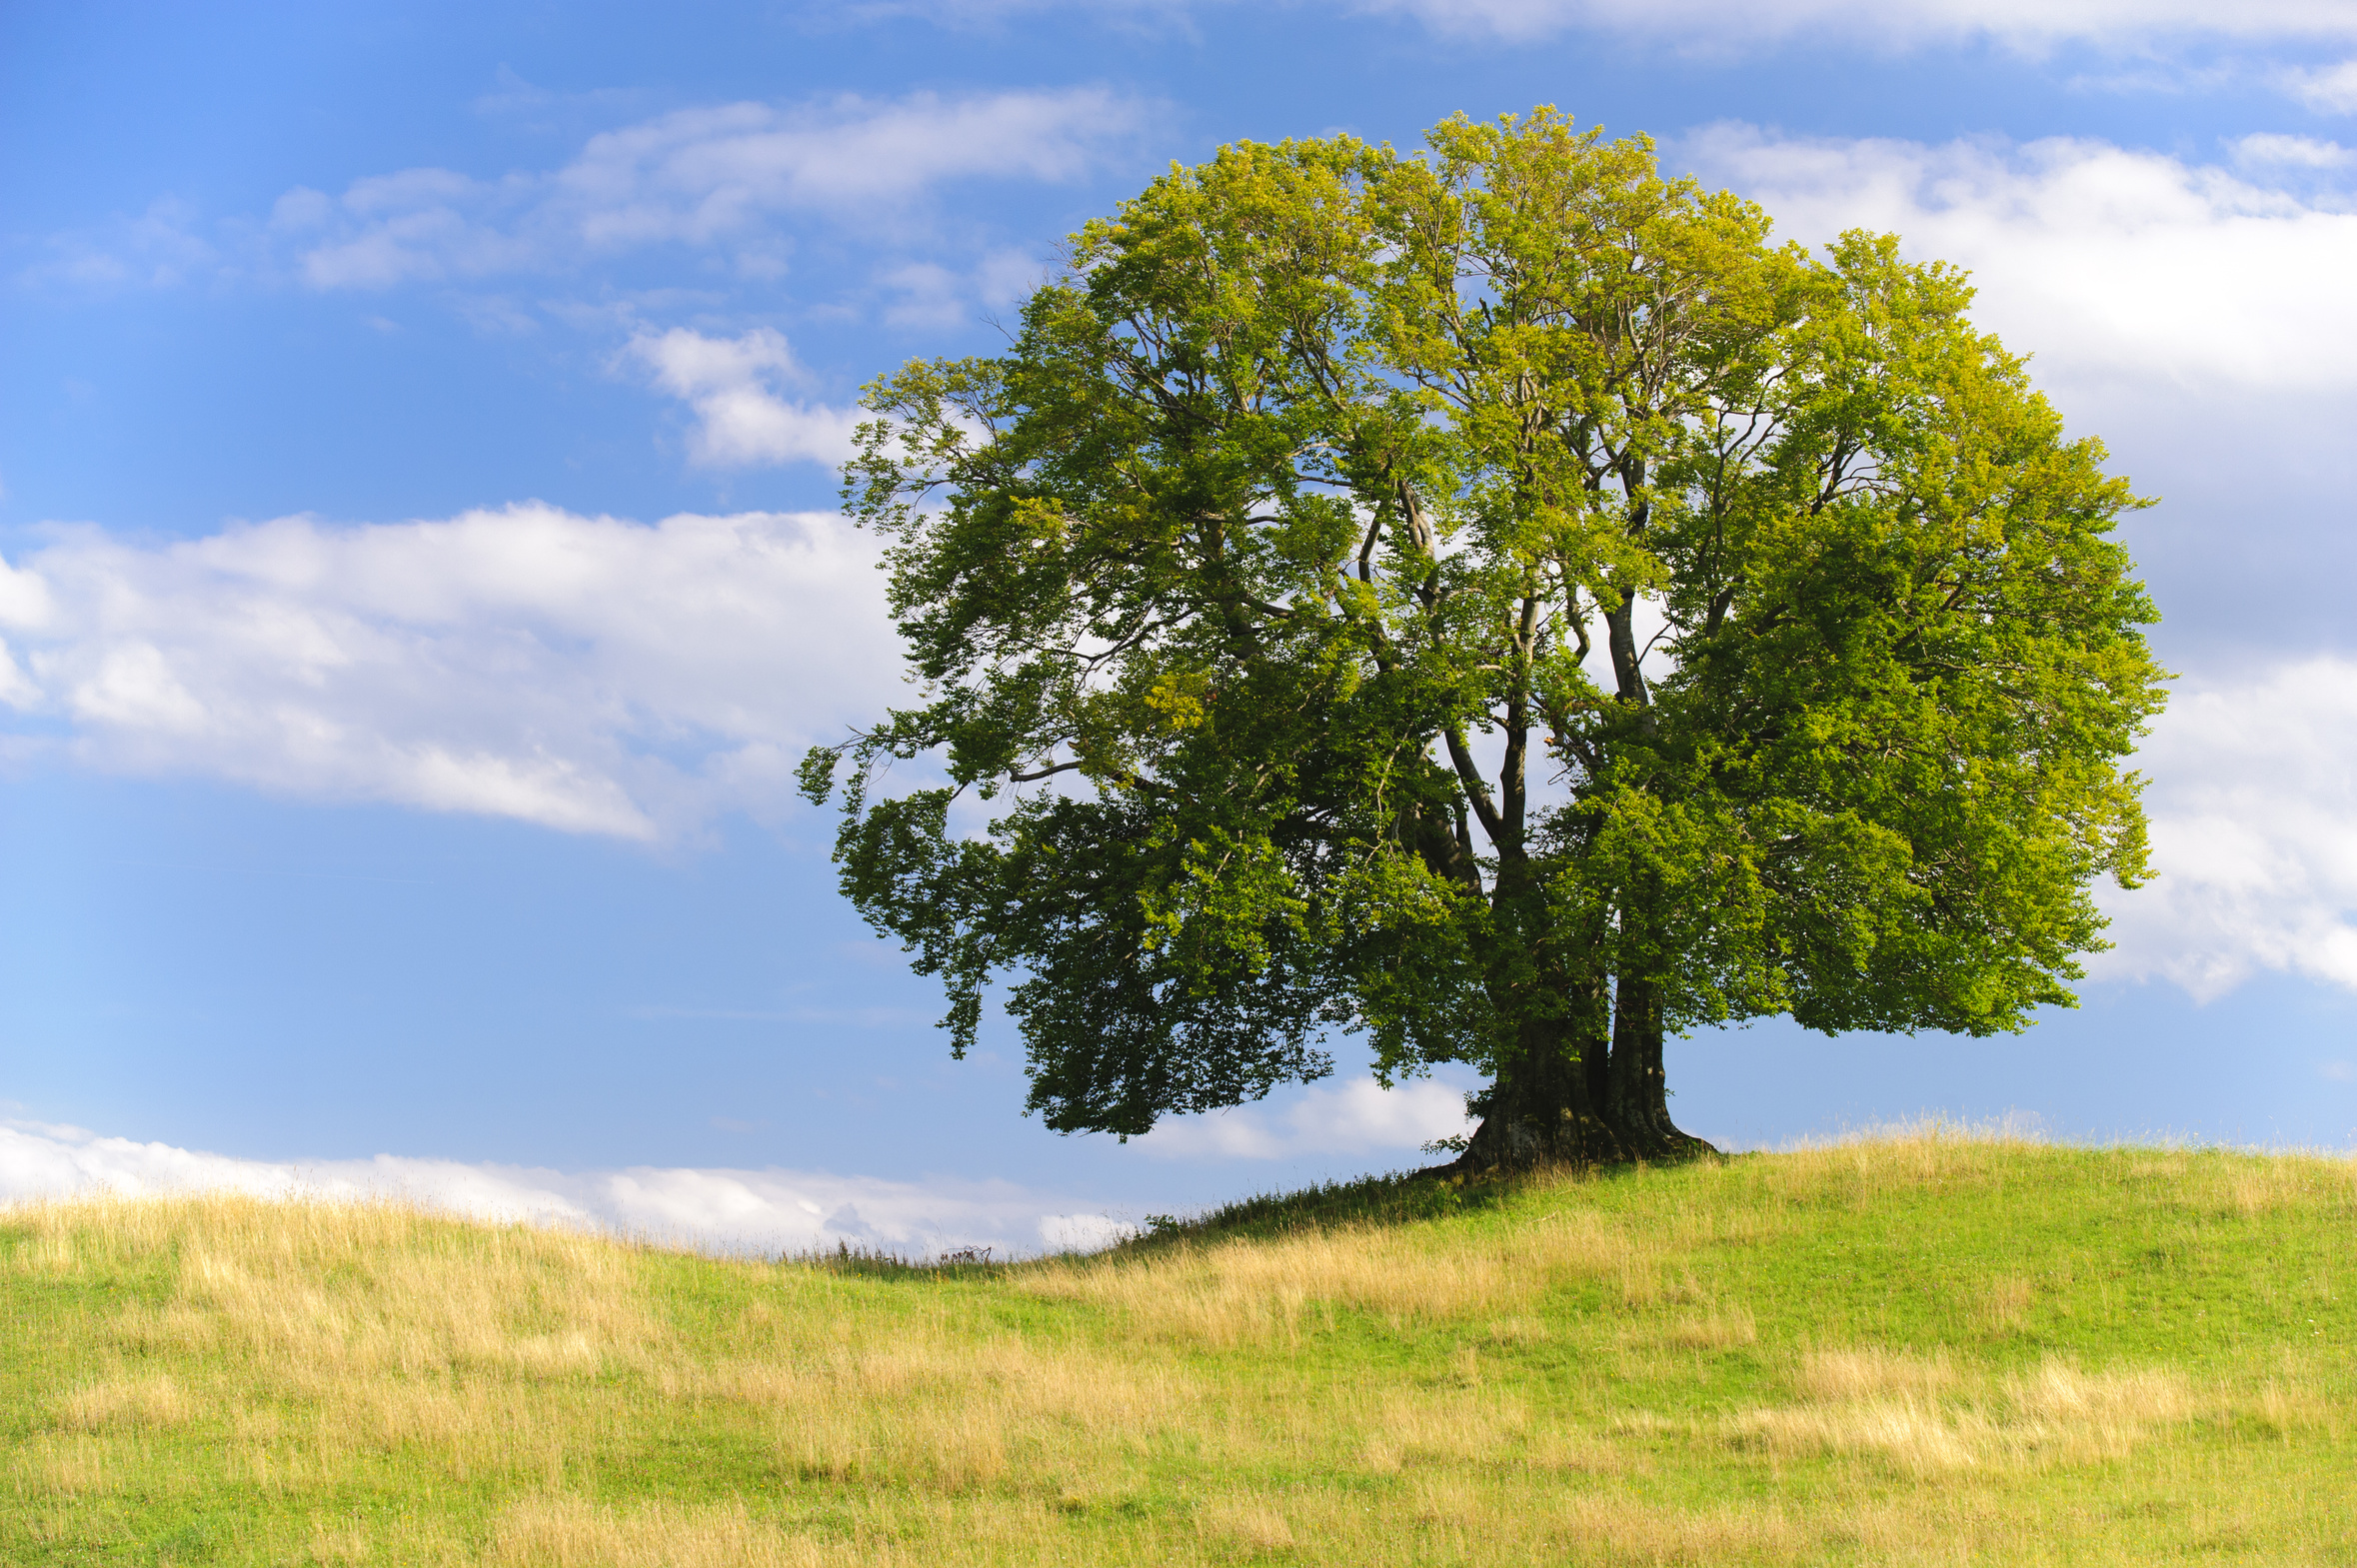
{"points": [[1496, 601]]}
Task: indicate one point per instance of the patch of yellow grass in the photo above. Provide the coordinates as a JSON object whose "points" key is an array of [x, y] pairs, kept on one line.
{"points": [[125, 1401], [1249, 1522], [1617, 1529], [2255, 1188], [1861, 1374], [1258, 1292], [565, 1533], [1467, 1428], [1721, 1328], [1919, 1438], [74, 1466], [2063, 1413], [2005, 1302], [2287, 1410], [949, 1412], [1917, 1413], [341, 1542]]}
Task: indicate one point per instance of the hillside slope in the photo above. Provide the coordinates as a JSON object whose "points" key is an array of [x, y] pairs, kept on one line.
{"points": [[1919, 1349]]}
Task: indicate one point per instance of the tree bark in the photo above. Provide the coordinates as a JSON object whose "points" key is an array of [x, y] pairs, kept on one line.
{"points": [[1636, 1102], [1573, 1097], [1542, 1108]]}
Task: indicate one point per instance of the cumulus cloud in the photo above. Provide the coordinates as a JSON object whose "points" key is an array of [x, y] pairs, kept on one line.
{"points": [[2253, 799], [2029, 24], [2113, 263], [731, 384], [586, 674], [703, 177], [767, 1210], [1355, 1117]]}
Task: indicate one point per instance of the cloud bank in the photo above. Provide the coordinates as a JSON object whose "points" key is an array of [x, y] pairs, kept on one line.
{"points": [[768, 1210], [2114, 265], [2253, 803], [1355, 1116], [586, 674]]}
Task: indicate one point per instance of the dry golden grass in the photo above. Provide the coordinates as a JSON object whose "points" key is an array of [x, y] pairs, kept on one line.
{"points": [[76, 1466], [1261, 1292], [1919, 1415], [1853, 1375], [564, 1532], [949, 1413], [1721, 1328], [1456, 1429], [126, 1401], [1248, 1522]]}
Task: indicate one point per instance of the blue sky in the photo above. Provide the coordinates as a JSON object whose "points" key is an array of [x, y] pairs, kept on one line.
{"points": [[415, 432]]}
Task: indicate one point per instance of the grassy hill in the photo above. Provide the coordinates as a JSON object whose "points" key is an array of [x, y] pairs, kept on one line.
{"points": [[1920, 1349]]}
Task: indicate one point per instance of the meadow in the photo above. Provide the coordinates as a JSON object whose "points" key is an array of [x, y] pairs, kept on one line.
{"points": [[1926, 1347]]}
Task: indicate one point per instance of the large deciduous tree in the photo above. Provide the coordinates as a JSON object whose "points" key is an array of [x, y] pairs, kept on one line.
{"points": [[1494, 600]]}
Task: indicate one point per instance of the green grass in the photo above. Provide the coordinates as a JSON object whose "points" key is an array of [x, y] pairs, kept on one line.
{"points": [[1922, 1348]]}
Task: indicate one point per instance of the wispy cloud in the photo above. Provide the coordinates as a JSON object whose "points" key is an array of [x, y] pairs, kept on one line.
{"points": [[2331, 89], [1715, 25], [161, 248], [768, 1210], [2019, 23], [732, 183], [586, 674], [712, 177]]}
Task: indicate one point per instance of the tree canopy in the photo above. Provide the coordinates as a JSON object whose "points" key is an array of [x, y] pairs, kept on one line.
{"points": [[1496, 601]]}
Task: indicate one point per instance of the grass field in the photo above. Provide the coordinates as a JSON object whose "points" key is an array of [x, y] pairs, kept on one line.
{"points": [[1925, 1348]]}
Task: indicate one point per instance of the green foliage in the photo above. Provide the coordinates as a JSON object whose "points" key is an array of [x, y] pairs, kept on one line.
{"points": [[1786, 610]]}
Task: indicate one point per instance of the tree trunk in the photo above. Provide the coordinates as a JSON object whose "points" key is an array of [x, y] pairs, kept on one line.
{"points": [[1635, 1100], [1568, 1098], [1542, 1109]]}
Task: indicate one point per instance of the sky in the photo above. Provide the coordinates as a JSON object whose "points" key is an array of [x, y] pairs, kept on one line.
{"points": [[420, 570]]}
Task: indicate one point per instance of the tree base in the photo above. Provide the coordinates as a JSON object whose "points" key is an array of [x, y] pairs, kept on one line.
{"points": [[1521, 1143]]}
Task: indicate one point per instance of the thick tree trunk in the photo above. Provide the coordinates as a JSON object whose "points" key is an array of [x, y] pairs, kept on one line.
{"points": [[1635, 1100], [1569, 1098], [1542, 1109]]}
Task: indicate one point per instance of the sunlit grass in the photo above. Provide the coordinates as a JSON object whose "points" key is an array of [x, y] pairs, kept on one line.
{"points": [[1922, 1347]]}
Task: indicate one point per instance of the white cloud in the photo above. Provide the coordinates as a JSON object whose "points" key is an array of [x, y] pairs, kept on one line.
{"points": [[2269, 150], [1355, 1116], [2113, 265], [705, 177], [2019, 23], [586, 674], [2332, 89], [2253, 803], [767, 1210], [731, 383]]}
